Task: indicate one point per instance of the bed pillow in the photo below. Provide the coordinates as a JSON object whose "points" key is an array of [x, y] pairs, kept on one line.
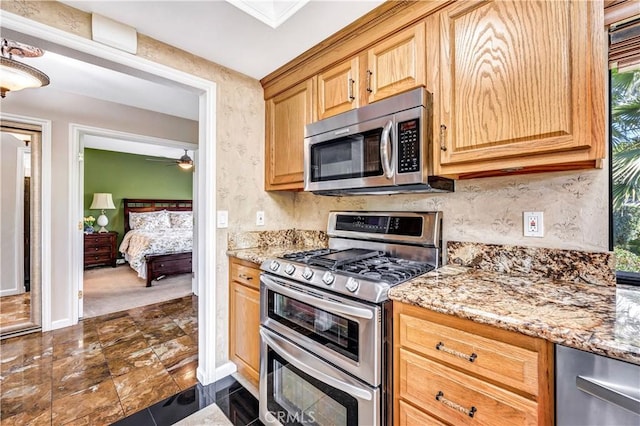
{"points": [[149, 221], [181, 220]]}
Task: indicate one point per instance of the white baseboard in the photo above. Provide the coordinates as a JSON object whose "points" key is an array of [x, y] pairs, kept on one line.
{"points": [[60, 324], [9, 292], [224, 370]]}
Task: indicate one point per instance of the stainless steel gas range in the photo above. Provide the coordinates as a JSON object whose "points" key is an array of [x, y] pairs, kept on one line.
{"points": [[326, 321]]}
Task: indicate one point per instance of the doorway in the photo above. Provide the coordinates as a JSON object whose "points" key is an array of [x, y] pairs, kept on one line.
{"points": [[140, 167]]}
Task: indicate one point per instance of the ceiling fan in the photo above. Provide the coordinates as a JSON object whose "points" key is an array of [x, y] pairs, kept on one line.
{"points": [[185, 162]]}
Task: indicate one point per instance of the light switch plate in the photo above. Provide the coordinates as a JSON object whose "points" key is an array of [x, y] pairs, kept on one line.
{"points": [[223, 218], [260, 218]]}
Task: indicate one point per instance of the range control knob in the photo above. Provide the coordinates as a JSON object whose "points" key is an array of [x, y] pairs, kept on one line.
{"points": [[328, 278], [352, 284], [307, 273], [289, 269], [274, 265]]}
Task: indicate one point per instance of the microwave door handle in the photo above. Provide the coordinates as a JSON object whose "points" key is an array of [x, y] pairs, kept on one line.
{"points": [[325, 305], [385, 145], [277, 344]]}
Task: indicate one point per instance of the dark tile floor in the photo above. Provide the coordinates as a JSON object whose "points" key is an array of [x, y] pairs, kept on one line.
{"points": [[102, 369], [236, 402]]}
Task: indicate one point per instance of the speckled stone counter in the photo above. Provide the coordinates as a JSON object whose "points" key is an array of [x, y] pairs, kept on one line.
{"points": [[581, 310], [258, 246]]}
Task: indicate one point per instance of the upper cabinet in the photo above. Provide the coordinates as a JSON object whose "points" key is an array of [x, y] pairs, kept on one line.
{"points": [[518, 86], [396, 64], [521, 86], [392, 66], [337, 89], [286, 116]]}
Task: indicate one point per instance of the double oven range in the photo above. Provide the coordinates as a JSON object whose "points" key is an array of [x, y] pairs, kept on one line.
{"points": [[326, 321]]}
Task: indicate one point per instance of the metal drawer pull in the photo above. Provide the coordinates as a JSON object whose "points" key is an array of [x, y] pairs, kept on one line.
{"points": [[470, 358], [470, 412], [443, 129], [245, 277], [369, 74], [350, 82], [607, 392]]}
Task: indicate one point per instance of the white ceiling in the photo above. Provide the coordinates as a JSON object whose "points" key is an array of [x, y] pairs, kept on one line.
{"points": [[222, 33]]}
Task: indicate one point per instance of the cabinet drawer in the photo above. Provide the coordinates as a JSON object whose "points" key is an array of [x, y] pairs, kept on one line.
{"points": [[97, 259], [169, 266], [410, 416], [245, 274], [458, 398], [97, 240], [93, 250], [494, 360]]}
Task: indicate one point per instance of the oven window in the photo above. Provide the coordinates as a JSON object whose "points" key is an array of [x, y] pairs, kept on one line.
{"points": [[354, 156], [330, 330], [296, 398]]}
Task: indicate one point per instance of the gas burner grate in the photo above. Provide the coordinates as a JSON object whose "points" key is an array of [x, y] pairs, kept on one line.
{"points": [[304, 256], [388, 269]]}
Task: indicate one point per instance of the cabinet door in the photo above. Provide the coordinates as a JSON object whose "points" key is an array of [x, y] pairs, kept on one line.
{"points": [[287, 114], [244, 331], [396, 64], [518, 80], [338, 88]]}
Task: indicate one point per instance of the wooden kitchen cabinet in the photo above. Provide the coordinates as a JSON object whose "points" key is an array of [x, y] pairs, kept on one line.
{"points": [[244, 318], [460, 372], [396, 64], [392, 66], [286, 116], [338, 89], [521, 86]]}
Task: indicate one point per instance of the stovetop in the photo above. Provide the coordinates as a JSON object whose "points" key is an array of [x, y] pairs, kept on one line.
{"points": [[362, 273], [369, 252]]}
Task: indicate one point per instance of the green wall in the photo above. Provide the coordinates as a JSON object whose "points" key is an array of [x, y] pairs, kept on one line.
{"points": [[130, 176]]}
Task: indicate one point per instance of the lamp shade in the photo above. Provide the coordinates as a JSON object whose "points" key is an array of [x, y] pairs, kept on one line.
{"points": [[15, 75], [102, 201]]}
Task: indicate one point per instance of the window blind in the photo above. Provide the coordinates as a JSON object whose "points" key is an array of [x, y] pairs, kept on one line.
{"points": [[623, 18]]}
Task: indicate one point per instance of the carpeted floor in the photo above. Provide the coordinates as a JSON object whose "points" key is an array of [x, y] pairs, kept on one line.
{"points": [[117, 289]]}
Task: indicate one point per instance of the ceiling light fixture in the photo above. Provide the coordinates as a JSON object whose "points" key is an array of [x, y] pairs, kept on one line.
{"points": [[15, 75], [185, 162]]}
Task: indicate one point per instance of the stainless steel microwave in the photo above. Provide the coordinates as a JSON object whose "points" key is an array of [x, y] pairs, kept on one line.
{"points": [[382, 148]]}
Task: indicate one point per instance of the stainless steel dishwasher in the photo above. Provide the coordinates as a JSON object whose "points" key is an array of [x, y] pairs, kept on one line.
{"points": [[595, 390]]}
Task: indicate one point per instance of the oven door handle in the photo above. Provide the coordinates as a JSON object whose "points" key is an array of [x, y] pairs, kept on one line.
{"points": [[276, 343], [326, 305]]}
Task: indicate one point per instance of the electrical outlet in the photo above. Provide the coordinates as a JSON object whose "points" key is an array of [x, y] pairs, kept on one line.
{"points": [[223, 218], [260, 218], [533, 224]]}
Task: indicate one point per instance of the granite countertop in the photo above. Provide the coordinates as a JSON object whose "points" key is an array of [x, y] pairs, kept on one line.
{"points": [[258, 255], [566, 297], [601, 319]]}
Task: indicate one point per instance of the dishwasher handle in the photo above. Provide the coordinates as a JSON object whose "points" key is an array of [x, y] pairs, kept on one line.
{"points": [[608, 393]]}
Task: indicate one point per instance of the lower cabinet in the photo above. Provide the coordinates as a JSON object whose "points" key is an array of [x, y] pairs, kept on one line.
{"points": [[451, 371], [244, 318]]}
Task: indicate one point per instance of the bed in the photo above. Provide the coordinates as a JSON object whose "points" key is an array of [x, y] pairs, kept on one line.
{"points": [[158, 238]]}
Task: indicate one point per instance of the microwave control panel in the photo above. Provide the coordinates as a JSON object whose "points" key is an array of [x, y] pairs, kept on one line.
{"points": [[409, 146]]}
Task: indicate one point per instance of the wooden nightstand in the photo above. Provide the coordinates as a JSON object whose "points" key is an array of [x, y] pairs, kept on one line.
{"points": [[100, 249]]}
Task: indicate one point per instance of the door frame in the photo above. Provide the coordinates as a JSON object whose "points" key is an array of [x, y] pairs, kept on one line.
{"points": [[76, 191], [204, 229], [45, 211]]}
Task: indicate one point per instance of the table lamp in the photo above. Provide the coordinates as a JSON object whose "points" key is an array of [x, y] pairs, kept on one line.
{"points": [[102, 201]]}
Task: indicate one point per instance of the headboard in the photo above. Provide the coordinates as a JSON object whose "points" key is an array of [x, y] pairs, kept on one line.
{"points": [[139, 205]]}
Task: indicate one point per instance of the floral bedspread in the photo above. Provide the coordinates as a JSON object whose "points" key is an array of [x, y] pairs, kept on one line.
{"points": [[137, 244]]}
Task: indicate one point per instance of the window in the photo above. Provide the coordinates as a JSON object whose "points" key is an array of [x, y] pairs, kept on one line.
{"points": [[624, 131]]}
